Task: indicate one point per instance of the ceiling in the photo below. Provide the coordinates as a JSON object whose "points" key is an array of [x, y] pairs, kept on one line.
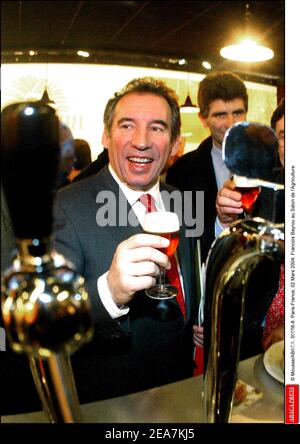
{"points": [[143, 33]]}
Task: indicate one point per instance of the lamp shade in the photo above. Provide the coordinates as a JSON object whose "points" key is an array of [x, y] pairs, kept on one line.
{"points": [[188, 106], [45, 98], [247, 51]]}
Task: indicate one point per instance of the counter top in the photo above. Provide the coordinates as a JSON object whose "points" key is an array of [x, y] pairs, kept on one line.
{"points": [[180, 402]]}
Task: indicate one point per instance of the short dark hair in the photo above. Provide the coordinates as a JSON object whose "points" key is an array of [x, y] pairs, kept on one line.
{"points": [[278, 113], [222, 85], [146, 85], [82, 153]]}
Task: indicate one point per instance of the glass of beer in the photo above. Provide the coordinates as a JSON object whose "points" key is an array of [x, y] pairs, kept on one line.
{"points": [[249, 192], [165, 224]]}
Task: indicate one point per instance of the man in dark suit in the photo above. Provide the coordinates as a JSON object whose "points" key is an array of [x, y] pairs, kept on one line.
{"points": [[223, 101], [138, 342]]}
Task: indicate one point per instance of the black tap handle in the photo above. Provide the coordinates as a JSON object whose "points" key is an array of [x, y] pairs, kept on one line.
{"points": [[250, 150], [30, 153]]}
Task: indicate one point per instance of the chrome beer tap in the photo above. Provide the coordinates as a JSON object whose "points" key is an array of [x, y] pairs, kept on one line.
{"points": [[45, 307], [231, 261]]}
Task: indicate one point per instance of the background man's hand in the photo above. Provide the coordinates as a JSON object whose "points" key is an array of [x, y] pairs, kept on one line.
{"points": [[198, 336], [228, 203]]}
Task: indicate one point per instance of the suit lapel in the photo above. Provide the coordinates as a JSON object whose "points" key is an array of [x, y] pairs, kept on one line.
{"points": [[207, 167], [124, 222]]}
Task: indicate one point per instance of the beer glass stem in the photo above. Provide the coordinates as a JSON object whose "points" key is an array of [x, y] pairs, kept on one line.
{"points": [[247, 214], [162, 277]]}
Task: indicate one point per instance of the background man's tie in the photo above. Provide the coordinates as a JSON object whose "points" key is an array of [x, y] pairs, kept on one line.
{"points": [[172, 274]]}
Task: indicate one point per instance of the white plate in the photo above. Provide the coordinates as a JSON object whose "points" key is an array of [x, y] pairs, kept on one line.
{"points": [[274, 361]]}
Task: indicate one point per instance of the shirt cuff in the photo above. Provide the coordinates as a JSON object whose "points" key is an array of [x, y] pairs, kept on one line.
{"points": [[107, 300], [218, 227]]}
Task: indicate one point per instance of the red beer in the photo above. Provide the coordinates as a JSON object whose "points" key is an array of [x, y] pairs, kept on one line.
{"points": [[174, 241], [249, 196], [165, 224], [249, 192]]}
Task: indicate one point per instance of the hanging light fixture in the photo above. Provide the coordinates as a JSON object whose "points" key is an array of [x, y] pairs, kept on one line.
{"points": [[247, 50], [45, 99], [188, 106]]}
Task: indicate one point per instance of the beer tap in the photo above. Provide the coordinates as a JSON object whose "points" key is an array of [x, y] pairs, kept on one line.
{"points": [[45, 307], [249, 150]]}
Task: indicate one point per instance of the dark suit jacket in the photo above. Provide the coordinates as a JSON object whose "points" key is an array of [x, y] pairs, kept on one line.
{"points": [[195, 172], [139, 350]]}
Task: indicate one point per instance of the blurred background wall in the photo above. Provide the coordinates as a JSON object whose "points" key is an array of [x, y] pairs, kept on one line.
{"points": [[80, 93]]}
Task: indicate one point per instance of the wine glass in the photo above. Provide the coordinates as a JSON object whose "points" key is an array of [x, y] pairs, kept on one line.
{"points": [[164, 224], [249, 192]]}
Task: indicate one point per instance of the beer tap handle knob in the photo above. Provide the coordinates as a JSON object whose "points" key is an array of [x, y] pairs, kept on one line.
{"points": [[30, 152]]}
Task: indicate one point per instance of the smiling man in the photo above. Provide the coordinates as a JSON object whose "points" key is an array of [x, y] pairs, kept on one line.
{"points": [[139, 140], [134, 346], [223, 101]]}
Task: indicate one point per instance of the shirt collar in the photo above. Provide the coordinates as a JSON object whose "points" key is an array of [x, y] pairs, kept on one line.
{"points": [[133, 195], [217, 151]]}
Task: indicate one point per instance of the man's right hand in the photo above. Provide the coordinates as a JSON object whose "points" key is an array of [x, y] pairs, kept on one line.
{"points": [[135, 265], [228, 203]]}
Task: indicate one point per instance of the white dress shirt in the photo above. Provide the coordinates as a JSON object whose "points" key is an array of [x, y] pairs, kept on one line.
{"points": [[222, 173]]}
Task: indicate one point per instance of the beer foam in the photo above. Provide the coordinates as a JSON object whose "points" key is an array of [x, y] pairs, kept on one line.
{"points": [[161, 222], [243, 182]]}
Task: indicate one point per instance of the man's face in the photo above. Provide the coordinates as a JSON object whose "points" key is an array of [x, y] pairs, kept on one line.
{"points": [[221, 116], [139, 143], [279, 130]]}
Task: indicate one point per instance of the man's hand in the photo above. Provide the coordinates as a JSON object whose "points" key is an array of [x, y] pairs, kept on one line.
{"points": [[228, 203], [135, 264], [198, 337]]}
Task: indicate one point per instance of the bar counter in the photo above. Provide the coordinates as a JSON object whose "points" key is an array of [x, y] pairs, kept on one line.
{"points": [[181, 402]]}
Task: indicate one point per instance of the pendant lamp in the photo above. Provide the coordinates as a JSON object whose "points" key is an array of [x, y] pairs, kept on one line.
{"points": [[188, 106], [247, 50], [45, 98]]}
